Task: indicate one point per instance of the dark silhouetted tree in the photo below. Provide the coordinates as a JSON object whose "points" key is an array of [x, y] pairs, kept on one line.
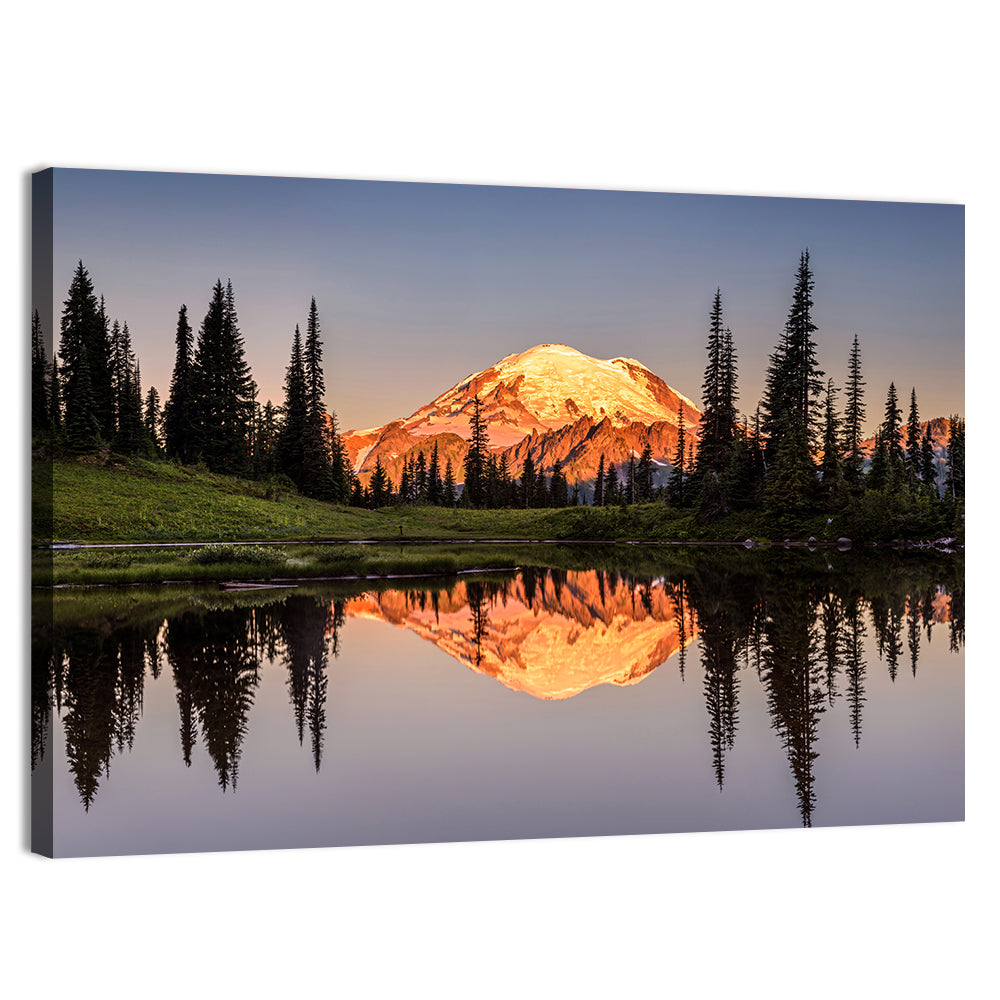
{"points": [[178, 428]]}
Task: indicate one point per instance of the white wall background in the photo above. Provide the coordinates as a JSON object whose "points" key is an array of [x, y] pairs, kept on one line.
{"points": [[862, 100]]}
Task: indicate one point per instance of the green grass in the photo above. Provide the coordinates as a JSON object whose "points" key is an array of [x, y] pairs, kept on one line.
{"points": [[136, 500], [132, 500]]}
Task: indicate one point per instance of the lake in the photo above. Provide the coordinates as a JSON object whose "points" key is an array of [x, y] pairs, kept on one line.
{"points": [[622, 691]]}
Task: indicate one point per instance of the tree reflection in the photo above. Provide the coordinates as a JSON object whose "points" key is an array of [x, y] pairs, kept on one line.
{"points": [[802, 634], [308, 630]]}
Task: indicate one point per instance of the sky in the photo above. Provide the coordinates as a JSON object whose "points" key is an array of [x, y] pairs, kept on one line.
{"points": [[419, 285]]}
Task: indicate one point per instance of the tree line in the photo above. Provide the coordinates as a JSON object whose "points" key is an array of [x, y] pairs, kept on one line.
{"points": [[89, 396], [801, 453]]}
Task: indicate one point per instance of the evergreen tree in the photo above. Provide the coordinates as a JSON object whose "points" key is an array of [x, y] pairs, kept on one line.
{"points": [[611, 485], [420, 478], [718, 421], [40, 403], [599, 484], [82, 428], [129, 435], [891, 429], [913, 456], [380, 485], [794, 382], [644, 474], [791, 480], [434, 478], [476, 458], [178, 428], [317, 473], [954, 481], [505, 480], [266, 441], [448, 489], [740, 482], [854, 418], [830, 468], [152, 417], [222, 388], [560, 489], [291, 439], [341, 473], [86, 364], [406, 482], [676, 484], [529, 482], [878, 473], [928, 464], [630, 487]]}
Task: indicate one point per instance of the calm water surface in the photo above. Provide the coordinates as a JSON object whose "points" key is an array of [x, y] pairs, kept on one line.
{"points": [[728, 693]]}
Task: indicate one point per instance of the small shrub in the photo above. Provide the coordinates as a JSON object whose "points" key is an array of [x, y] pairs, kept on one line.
{"points": [[223, 552]]}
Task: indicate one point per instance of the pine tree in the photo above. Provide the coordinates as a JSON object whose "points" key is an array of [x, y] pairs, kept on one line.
{"points": [[222, 388], [644, 474], [954, 481], [317, 474], [854, 418], [878, 472], [559, 488], [928, 464], [380, 485], [86, 364], [291, 439], [891, 428], [913, 442], [529, 482], [82, 428], [40, 403], [599, 484], [406, 482], [129, 435], [178, 428], [718, 421], [505, 497], [794, 381], [476, 458], [830, 468], [630, 486], [448, 489], [152, 417], [420, 478], [676, 484], [611, 485], [434, 478], [266, 441]]}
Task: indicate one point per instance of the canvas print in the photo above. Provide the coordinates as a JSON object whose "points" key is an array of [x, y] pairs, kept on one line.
{"points": [[375, 513]]}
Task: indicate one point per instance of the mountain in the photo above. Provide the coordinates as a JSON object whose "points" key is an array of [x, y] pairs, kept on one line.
{"points": [[548, 637], [552, 401]]}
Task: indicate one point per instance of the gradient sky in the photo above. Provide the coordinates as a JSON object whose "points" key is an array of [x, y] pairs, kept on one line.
{"points": [[418, 285]]}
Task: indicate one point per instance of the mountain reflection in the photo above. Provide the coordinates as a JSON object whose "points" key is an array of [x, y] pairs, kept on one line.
{"points": [[551, 634]]}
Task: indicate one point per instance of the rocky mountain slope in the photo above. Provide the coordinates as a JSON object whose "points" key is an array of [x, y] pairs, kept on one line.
{"points": [[552, 401]]}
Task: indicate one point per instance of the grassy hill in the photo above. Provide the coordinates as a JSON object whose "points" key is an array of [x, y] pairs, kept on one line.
{"points": [[135, 500], [100, 500]]}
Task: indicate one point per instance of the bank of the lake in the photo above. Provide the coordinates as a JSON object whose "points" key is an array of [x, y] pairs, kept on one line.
{"points": [[299, 563]]}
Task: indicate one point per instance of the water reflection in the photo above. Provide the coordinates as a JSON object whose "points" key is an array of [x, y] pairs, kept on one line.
{"points": [[795, 642]]}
